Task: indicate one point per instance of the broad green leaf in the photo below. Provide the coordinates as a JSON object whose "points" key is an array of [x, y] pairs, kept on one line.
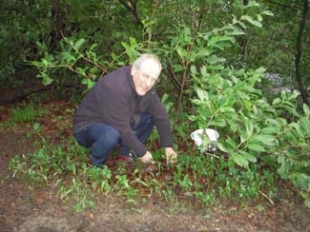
{"points": [[250, 157], [214, 40], [235, 30], [231, 143], [79, 43], [165, 97], [297, 127], [240, 160], [276, 101], [291, 138], [46, 79], [242, 24], [249, 126], [133, 41], [247, 104], [88, 82], [36, 63], [45, 62], [305, 126], [256, 147], [251, 20], [67, 57], [93, 46], [267, 12], [284, 168], [259, 18], [226, 109], [193, 118], [202, 95], [301, 180], [94, 69], [215, 67], [223, 148], [125, 45], [306, 109], [243, 136], [203, 71], [181, 52], [198, 102], [266, 139], [218, 123], [215, 59], [177, 68], [193, 70], [269, 130], [81, 71]]}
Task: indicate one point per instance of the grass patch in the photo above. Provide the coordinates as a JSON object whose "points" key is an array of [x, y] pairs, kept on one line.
{"points": [[27, 113], [196, 179]]}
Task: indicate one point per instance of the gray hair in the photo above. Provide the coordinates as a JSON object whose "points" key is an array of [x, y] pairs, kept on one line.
{"points": [[144, 57]]}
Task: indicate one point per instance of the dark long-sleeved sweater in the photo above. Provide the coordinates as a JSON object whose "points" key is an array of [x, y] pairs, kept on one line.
{"points": [[114, 101]]}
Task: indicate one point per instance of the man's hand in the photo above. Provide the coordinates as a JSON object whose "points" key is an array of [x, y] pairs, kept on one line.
{"points": [[171, 155], [147, 158]]}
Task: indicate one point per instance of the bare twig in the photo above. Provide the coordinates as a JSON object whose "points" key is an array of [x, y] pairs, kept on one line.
{"points": [[264, 195]]}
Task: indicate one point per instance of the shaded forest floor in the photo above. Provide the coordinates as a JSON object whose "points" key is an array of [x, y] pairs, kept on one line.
{"points": [[25, 207]]}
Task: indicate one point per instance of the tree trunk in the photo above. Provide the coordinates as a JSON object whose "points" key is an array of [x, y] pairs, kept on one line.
{"points": [[56, 34], [298, 55]]}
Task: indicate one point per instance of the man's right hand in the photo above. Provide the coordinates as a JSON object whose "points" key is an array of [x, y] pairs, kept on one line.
{"points": [[147, 158]]}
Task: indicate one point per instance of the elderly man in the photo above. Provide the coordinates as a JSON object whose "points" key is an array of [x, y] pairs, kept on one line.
{"points": [[122, 109]]}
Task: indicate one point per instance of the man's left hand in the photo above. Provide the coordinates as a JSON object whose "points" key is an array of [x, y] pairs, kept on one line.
{"points": [[171, 155]]}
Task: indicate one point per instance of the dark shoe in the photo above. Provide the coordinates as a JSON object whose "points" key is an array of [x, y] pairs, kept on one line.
{"points": [[124, 159], [110, 163]]}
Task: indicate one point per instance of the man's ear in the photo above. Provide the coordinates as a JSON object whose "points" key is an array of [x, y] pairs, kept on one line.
{"points": [[134, 70]]}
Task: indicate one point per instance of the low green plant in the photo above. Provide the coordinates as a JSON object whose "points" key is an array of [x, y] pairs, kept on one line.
{"points": [[201, 178], [27, 112]]}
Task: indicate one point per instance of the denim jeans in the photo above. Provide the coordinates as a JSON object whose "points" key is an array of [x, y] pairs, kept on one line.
{"points": [[102, 138]]}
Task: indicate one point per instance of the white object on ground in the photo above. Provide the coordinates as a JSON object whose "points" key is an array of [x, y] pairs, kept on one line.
{"points": [[197, 135]]}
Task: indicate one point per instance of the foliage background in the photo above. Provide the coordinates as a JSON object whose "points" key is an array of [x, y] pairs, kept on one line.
{"points": [[216, 56]]}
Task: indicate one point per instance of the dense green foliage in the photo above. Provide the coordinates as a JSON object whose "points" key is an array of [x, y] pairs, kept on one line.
{"points": [[215, 56]]}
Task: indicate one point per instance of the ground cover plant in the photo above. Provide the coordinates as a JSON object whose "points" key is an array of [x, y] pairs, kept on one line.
{"points": [[198, 178], [214, 89], [47, 184]]}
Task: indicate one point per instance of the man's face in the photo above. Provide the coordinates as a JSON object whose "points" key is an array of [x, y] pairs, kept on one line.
{"points": [[145, 77]]}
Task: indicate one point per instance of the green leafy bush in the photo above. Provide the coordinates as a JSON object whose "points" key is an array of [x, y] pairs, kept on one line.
{"points": [[252, 129]]}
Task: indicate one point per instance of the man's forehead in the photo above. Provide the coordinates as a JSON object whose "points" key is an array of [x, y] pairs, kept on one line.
{"points": [[150, 68]]}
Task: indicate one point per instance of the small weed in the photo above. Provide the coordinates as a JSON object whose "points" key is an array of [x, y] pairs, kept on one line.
{"points": [[27, 113]]}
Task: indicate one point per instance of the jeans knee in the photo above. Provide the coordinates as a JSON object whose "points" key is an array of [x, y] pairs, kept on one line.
{"points": [[110, 138]]}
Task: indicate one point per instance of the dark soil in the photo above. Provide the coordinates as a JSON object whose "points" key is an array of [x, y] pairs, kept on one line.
{"points": [[24, 207]]}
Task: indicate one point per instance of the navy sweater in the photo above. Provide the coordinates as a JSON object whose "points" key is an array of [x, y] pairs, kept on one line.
{"points": [[114, 101]]}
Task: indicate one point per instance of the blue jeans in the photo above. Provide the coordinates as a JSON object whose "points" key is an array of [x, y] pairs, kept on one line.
{"points": [[102, 138]]}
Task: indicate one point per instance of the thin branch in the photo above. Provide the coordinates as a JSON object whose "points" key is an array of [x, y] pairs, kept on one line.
{"points": [[131, 6], [268, 198], [172, 74]]}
